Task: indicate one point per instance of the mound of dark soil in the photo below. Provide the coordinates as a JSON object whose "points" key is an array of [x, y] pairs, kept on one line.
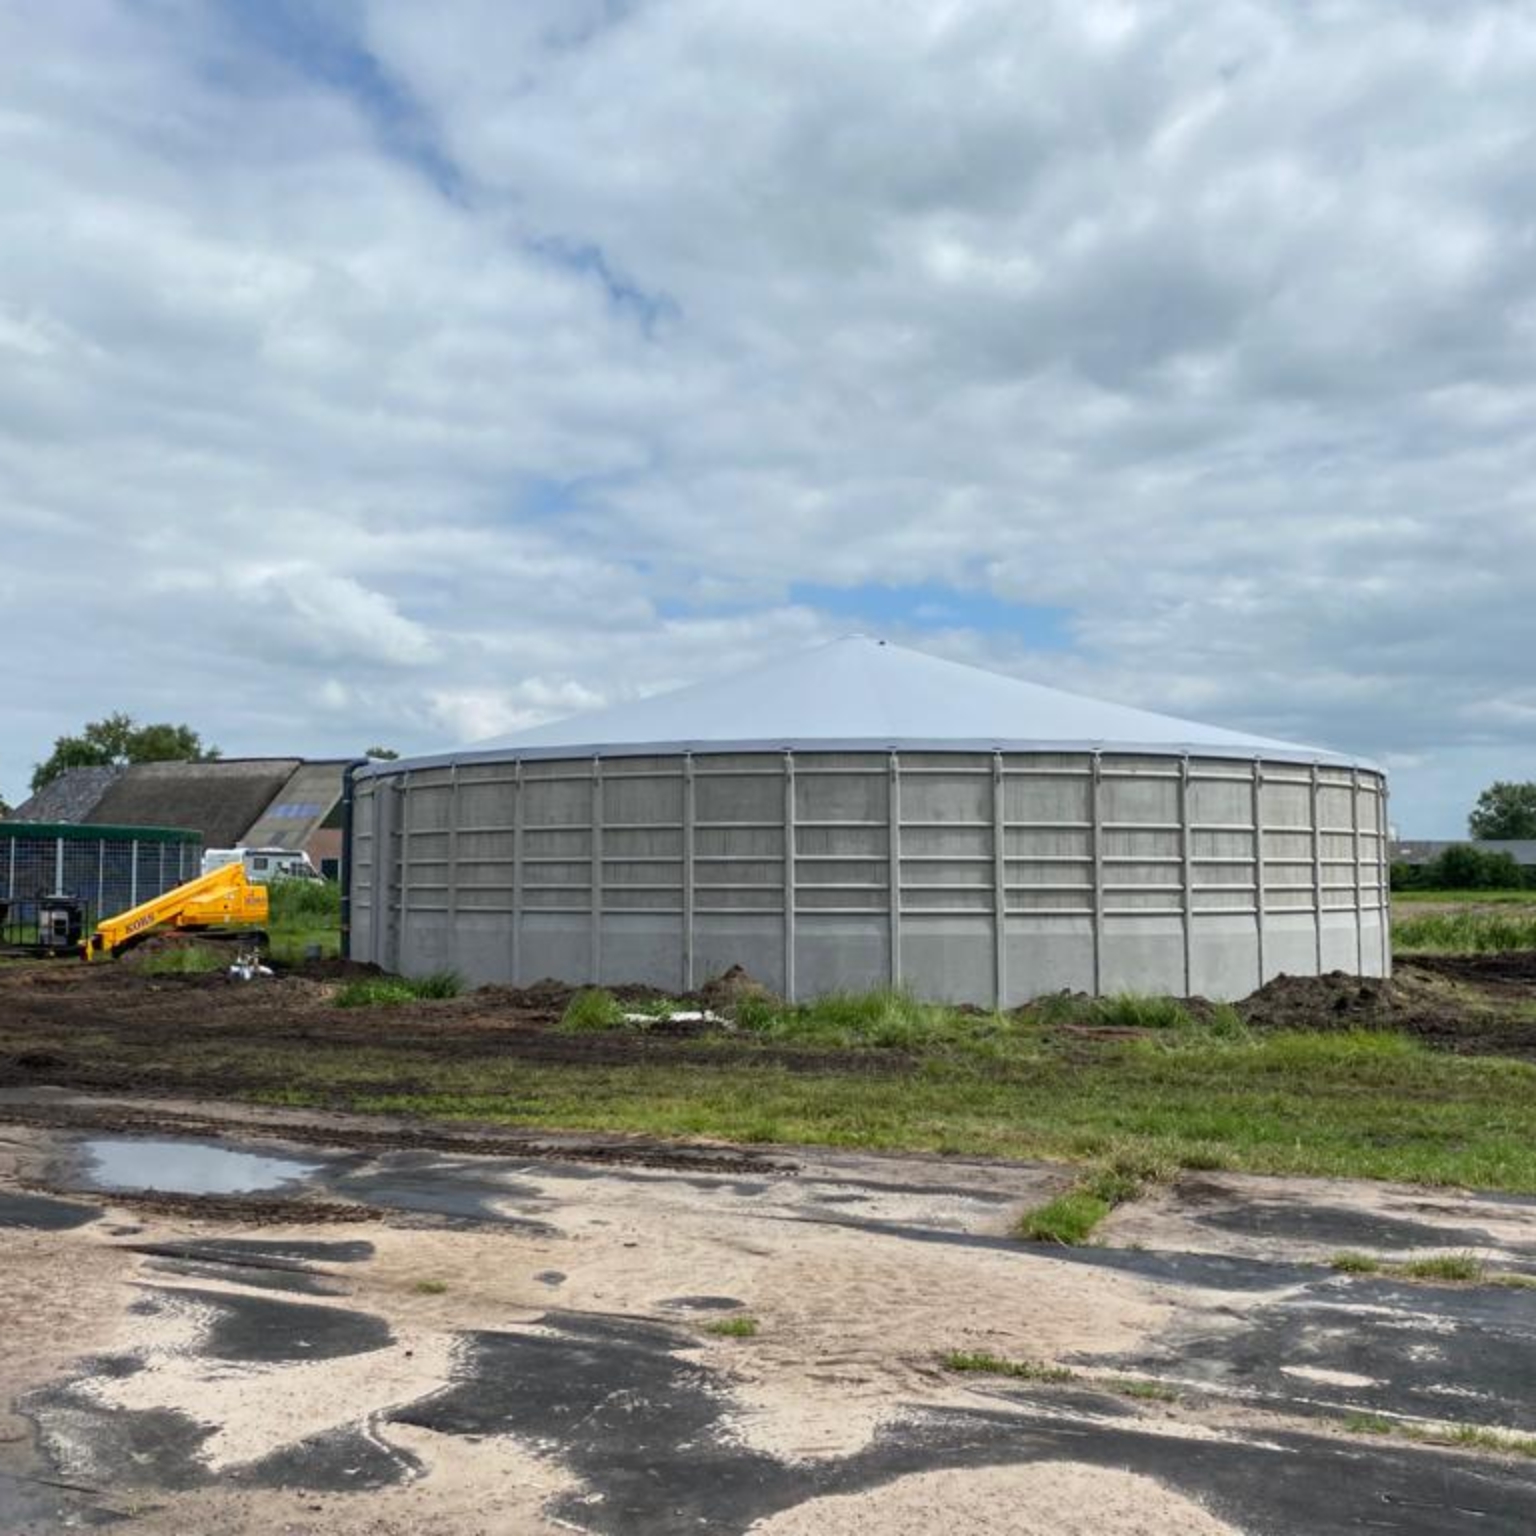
{"points": [[1331, 1001], [731, 987]]}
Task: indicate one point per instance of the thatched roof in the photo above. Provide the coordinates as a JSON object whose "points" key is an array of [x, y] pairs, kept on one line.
{"points": [[220, 800]]}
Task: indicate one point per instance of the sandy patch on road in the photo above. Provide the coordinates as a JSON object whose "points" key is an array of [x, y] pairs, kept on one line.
{"points": [[59, 1299], [258, 1409], [1169, 1219], [492, 1487], [1051, 1498]]}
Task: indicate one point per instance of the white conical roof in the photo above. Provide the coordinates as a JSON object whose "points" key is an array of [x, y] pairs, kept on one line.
{"points": [[858, 693]]}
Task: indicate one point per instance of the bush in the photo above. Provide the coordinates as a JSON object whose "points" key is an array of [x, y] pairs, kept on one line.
{"points": [[1461, 867], [1132, 1010], [592, 1009], [304, 903], [1465, 868], [438, 984], [386, 991]]}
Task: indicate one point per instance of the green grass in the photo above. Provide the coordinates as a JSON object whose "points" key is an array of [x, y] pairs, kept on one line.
{"points": [[1520, 898], [1355, 1264], [1467, 931], [387, 991], [1475, 1437], [1369, 1424], [1472, 1437], [184, 960], [1145, 1391], [885, 1019], [986, 1364], [1344, 1104], [1070, 1219], [1120, 1010], [292, 946], [733, 1328], [304, 903], [592, 1010], [303, 915], [1445, 1266], [430, 1287]]}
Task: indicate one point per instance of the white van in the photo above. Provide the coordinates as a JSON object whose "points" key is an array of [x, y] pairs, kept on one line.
{"points": [[263, 864]]}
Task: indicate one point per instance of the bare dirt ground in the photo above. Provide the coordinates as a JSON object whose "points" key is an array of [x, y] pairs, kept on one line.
{"points": [[403, 1329], [112, 1029], [221, 1316]]}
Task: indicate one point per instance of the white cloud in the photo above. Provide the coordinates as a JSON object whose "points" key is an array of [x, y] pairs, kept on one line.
{"points": [[383, 372]]}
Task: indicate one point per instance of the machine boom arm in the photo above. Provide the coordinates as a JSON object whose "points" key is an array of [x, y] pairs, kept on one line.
{"points": [[223, 897]]}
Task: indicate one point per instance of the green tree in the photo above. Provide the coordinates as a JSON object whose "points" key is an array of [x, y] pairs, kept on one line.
{"points": [[382, 754], [1504, 810], [1461, 867], [118, 740]]}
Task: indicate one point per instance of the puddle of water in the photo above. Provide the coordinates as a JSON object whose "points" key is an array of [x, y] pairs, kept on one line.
{"points": [[186, 1167]]}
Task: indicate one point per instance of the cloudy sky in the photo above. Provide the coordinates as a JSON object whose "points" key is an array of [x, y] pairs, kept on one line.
{"points": [[377, 371]]}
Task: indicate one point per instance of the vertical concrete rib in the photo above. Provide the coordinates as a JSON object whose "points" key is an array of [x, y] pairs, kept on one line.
{"points": [[999, 886], [404, 833], [1354, 822], [378, 874], [1096, 819], [789, 876], [1317, 869], [1187, 859], [517, 872], [1258, 863], [451, 896], [596, 895], [1383, 880], [688, 820], [893, 821]]}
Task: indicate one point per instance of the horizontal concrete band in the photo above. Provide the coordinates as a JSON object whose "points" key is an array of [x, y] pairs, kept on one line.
{"points": [[975, 877]]}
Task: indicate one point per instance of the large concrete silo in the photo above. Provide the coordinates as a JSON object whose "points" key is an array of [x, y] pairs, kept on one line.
{"points": [[861, 814]]}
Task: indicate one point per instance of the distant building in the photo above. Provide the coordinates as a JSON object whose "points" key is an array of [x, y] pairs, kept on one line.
{"points": [[1416, 851], [272, 802]]}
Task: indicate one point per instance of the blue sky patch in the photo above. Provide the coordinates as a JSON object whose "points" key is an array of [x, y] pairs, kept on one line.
{"points": [[933, 605], [311, 40]]}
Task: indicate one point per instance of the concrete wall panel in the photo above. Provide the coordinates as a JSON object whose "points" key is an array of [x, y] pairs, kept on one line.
{"points": [[554, 946], [644, 948], [1047, 954], [949, 959], [1142, 954], [842, 954], [1224, 951]]}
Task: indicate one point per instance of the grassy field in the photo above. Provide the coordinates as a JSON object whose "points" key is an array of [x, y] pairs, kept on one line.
{"points": [[1522, 898], [304, 915], [1194, 1092], [1366, 1104], [1464, 930]]}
